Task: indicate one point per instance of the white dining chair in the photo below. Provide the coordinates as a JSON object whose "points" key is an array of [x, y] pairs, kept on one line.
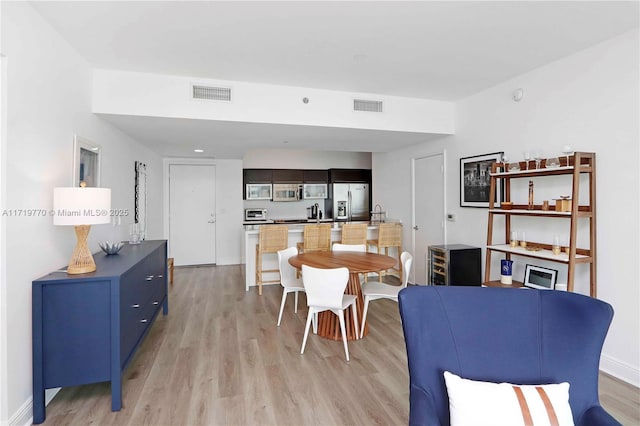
{"points": [[374, 290], [349, 247], [325, 292], [288, 280]]}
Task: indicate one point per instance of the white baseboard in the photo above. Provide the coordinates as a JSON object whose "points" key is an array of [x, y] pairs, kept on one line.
{"points": [[24, 415], [231, 260], [620, 370]]}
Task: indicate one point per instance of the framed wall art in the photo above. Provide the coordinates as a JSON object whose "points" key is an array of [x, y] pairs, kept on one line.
{"points": [[86, 162], [475, 181]]}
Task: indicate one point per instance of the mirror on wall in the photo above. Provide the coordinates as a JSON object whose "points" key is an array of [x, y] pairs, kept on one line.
{"points": [[86, 162], [140, 205]]}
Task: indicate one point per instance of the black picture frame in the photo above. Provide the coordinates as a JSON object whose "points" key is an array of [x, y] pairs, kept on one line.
{"points": [[475, 181], [539, 277]]}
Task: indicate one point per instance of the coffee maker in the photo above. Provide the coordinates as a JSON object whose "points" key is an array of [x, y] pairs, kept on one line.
{"points": [[312, 212]]}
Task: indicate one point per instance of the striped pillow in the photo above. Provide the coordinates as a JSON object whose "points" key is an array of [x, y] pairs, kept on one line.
{"points": [[476, 403]]}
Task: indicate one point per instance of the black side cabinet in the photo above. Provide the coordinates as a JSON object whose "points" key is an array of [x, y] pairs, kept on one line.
{"points": [[454, 264]]}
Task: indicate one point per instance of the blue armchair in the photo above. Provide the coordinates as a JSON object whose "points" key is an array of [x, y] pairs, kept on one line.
{"points": [[502, 335]]}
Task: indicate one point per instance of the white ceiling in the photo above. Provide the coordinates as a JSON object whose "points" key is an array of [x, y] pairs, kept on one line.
{"points": [[435, 50]]}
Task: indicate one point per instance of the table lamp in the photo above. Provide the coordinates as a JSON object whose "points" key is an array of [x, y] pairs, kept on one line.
{"points": [[81, 207]]}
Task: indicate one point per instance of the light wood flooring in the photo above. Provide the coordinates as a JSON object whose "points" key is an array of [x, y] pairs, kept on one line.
{"points": [[219, 359]]}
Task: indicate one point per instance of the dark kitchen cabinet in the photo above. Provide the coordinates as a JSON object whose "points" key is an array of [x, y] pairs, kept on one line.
{"points": [[350, 175], [316, 176], [287, 176], [257, 176]]}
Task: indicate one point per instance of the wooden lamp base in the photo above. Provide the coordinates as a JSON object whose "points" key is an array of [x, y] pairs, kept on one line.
{"points": [[81, 260]]}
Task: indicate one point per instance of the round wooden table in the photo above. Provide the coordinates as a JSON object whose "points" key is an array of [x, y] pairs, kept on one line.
{"points": [[358, 263]]}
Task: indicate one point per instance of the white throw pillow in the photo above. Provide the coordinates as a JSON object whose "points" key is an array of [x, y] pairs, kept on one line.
{"points": [[475, 403]]}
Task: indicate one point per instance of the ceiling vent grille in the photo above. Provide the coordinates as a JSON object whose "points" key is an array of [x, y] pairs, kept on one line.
{"points": [[367, 106], [211, 93]]}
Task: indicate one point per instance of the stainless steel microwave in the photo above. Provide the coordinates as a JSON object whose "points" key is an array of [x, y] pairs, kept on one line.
{"points": [[287, 192]]}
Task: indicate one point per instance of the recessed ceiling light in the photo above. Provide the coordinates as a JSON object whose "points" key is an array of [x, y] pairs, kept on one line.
{"points": [[198, 150]]}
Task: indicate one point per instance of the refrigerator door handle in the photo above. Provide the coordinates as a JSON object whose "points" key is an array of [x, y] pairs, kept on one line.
{"points": [[349, 206]]}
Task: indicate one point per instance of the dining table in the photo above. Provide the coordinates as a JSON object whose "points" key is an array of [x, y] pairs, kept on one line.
{"points": [[357, 263]]}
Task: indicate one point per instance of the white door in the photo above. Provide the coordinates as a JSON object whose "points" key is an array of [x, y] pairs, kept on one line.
{"points": [[428, 210], [192, 209]]}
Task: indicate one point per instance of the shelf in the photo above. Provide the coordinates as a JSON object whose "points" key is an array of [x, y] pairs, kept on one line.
{"points": [[573, 166], [523, 212], [514, 284], [539, 254]]}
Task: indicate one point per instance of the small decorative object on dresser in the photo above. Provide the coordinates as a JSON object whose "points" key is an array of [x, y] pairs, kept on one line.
{"points": [[110, 248]]}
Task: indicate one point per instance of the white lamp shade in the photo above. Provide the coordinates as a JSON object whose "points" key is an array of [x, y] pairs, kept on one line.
{"points": [[81, 206]]}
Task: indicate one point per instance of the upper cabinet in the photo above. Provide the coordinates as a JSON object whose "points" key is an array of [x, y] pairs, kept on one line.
{"points": [[350, 175], [257, 176], [287, 175], [316, 176]]}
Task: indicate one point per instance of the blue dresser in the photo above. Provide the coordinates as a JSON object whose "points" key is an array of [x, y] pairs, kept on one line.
{"points": [[87, 327]]}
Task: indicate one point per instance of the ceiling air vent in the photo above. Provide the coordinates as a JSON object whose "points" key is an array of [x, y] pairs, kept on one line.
{"points": [[368, 106], [211, 93]]}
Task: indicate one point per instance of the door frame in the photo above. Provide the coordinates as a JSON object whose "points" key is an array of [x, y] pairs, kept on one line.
{"points": [[166, 162], [442, 152]]}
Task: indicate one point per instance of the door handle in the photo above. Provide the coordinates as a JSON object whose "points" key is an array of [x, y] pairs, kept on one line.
{"points": [[416, 228]]}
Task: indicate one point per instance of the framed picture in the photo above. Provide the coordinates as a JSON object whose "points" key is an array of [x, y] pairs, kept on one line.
{"points": [[475, 182], [540, 278], [86, 162]]}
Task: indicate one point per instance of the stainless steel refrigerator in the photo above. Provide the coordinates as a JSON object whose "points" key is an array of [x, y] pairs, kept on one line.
{"points": [[351, 201]]}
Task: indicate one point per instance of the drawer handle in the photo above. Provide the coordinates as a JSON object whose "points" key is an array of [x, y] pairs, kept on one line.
{"points": [[144, 321], [155, 302], [160, 276], [149, 278], [135, 306]]}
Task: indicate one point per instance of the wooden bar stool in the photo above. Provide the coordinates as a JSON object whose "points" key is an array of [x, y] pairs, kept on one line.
{"points": [[271, 239], [354, 233], [389, 236], [316, 237]]}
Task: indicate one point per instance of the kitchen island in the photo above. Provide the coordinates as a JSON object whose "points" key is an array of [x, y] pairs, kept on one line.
{"points": [[295, 236]]}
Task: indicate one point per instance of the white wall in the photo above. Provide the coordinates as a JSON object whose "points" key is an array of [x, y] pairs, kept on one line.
{"points": [[49, 100], [143, 94], [229, 210], [590, 101]]}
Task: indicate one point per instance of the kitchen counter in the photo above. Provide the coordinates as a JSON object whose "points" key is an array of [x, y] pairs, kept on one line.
{"points": [[293, 222], [270, 261]]}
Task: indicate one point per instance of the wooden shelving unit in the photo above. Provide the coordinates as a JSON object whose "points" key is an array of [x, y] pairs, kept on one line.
{"points": [[578, 164]]}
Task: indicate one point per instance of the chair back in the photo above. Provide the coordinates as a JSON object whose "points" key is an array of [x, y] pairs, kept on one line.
{"points": [[325, 287], [349, 247], [287, 272], [354, 233], [500, 335], [273, 238], [390, 235], [317, 237], [406, 260]]}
